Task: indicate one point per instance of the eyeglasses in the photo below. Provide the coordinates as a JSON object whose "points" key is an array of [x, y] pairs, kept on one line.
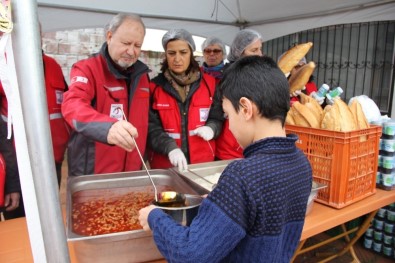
{"points": [[209, 51]]}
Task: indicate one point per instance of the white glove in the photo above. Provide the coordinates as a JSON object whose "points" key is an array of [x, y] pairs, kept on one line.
{"points": [[177, 158], [320, 100], [205, 132], [295, 93]]}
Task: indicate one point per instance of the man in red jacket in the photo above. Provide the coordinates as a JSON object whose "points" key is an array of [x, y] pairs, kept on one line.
{"points": [[107, 103]]}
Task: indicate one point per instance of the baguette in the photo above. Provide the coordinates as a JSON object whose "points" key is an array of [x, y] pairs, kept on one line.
{"points": [[331, 119], [306, 113], [298, 80], [359, 115], [290, 118], [347, 121], [299, 119], [304, 98], [318, 112], [292, 57]]}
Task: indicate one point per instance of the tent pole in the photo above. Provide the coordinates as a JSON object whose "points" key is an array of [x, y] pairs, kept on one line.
{"points": [[30, 76]]}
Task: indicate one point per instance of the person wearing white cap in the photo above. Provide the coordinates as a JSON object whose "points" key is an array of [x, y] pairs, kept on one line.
{"points": [[180, 131], [247, 42], [214, 54]]}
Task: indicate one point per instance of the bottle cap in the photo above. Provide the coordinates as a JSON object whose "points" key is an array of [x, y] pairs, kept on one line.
{"points": [[325, 86]]}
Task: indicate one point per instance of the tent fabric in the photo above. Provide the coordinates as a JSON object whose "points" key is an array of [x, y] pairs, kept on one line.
{"points": [[220, 18]]}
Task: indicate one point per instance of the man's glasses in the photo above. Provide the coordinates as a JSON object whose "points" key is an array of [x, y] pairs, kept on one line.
{"points": [[209, 51]]}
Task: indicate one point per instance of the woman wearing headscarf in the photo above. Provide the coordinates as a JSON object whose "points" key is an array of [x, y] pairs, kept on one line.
{"points": [[181, 97], [246, 43]]}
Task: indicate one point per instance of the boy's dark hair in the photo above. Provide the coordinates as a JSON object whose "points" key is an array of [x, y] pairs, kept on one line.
{"points": [[261, 81]]}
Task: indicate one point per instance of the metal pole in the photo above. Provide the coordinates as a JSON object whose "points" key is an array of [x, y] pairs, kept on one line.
{"points": [[30, 76]]}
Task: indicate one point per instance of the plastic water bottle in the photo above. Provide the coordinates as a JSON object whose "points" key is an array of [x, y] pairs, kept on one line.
{"points": [[334, 93], [323, 90]]}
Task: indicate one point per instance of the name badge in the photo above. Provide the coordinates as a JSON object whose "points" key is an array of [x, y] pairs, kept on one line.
{"points": [[59, 96], [204, 114], [116, 111]]}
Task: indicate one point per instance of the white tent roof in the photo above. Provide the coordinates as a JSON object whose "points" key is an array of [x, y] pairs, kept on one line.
{"points": [[221, 18]]}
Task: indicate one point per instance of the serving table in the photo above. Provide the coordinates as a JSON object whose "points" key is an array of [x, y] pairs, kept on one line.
{"points": [[15, 246], [323, 218]]}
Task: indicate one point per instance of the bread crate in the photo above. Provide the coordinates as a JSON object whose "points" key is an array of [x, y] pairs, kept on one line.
{"points": [[345, 161]]}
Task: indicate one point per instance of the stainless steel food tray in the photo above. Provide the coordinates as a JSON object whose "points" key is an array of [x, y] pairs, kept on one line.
{"points": [[128, 246], [203, 175]]}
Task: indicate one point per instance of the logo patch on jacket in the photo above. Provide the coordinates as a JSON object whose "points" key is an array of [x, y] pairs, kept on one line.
{"points": [[79, 79], [203, 112], [59, 96], [116, 111]]}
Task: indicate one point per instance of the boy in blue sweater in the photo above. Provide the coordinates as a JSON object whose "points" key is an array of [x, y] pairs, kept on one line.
{"points": [[257, 210]]}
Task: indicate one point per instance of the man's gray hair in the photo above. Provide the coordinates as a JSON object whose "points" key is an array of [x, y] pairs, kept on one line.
{"points": [[117, 20]]}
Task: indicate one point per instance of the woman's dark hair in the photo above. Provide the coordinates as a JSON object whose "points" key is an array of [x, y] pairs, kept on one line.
{"points": [[259, 80], [194, 65]]}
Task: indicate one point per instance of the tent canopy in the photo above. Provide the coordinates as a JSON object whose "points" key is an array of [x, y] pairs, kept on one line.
{"points": [[221, 18]]}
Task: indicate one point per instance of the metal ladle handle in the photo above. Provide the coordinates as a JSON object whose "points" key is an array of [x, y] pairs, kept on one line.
{"points": [[142, 160]]}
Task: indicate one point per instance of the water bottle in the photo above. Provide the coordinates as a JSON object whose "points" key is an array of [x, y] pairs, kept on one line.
{"points": [[323, 90], [334, 93]]}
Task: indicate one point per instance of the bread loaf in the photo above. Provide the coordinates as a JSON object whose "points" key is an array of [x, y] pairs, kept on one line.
{"points": [[290, 118], [331, 119], [306, 114], [316, 109], [304, 98], [347, 121], [359, 115], [298, 80], [300, 120], [338, 117], [292, 57]]}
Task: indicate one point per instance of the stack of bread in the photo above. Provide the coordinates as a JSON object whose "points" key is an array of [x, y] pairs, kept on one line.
{"points": [[336, 117]]}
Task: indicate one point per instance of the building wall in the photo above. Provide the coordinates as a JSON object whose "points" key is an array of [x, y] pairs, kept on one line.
{"points": [[68, 47]]}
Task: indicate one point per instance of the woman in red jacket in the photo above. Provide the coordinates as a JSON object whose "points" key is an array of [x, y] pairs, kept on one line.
{"points": [[181, 97]]}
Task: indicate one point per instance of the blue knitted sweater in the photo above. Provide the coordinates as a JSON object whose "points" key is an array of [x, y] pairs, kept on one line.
{"points": [[255, 214]]}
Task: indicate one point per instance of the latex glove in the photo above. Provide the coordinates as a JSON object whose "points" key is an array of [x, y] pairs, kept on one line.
{"points": [[205, 132], [177, 158], [295, 93], [320, 100]]}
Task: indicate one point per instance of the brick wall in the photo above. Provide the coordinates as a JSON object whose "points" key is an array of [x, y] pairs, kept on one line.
{"points": [[68, 47]]}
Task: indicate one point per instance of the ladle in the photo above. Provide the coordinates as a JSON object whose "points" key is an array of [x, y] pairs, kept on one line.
{"points": [[166, 198], [142, 160]]}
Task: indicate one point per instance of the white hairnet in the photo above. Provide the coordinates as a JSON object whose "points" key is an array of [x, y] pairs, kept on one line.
{"points": [[178, 34], [241, 41], [214, 41]]}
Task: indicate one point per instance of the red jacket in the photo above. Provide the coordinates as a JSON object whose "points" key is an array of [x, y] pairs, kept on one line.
{"points": [[227, 147], [168, 109], [91, 106], [55, 86]]}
